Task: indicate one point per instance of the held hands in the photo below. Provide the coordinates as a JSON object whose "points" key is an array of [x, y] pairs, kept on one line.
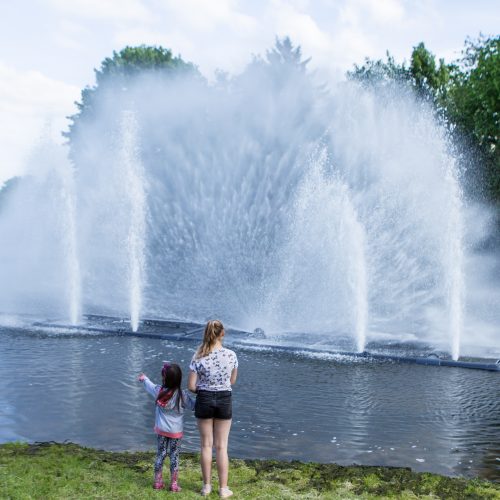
{"points": [[141, 377]]}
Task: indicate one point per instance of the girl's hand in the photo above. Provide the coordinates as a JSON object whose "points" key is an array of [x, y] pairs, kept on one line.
{"points": [[141, 377]]}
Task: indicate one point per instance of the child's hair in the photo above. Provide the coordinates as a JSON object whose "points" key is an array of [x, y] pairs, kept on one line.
{"points": [[171, 375], [213, 331]]}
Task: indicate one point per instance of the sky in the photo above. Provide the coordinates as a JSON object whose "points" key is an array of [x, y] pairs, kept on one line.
{"points": [[49, 48]]}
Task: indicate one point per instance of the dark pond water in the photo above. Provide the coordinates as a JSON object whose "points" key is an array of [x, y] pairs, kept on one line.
{"points": [[286, 406]]}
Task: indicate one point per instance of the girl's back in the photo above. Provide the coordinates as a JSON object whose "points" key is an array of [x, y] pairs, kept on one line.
{"points": [[169, 414]]}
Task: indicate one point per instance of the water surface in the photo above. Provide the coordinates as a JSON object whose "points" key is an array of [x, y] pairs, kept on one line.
{"points": [[83, 388]]}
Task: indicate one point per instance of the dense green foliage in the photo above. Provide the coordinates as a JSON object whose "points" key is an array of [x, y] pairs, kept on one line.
{"points": [[134, 60], [473, 104], [69, 471], [427, 77], [465, 92], [426, 74]]}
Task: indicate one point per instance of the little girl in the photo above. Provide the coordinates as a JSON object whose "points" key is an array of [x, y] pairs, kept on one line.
{"points": [[171, 401]]}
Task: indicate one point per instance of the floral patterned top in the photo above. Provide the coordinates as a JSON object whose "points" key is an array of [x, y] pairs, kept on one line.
{"points": [[214, 370]]}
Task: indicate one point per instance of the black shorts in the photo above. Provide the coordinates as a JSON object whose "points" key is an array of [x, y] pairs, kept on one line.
{"points": [[214, 404]]}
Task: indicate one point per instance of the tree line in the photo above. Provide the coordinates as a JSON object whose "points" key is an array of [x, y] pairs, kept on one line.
{"points": [[465, 93], [466, 96]]}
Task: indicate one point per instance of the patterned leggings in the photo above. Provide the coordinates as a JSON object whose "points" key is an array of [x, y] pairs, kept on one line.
{"points": [[170, 446]]}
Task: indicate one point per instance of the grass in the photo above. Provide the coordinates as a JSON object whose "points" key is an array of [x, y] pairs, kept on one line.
{"points": [[69, 471]]}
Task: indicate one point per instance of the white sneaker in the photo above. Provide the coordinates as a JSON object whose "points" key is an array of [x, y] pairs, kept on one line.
{"points": [[206, 490], [225, 492]]}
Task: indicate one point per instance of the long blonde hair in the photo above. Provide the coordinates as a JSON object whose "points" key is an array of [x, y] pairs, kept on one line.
{"points": [[213, 331]]}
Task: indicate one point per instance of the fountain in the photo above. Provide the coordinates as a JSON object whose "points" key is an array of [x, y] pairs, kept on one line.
{"points": [[326, 219], [129, 156], [40, 270], [454, 259], [70, 238]]}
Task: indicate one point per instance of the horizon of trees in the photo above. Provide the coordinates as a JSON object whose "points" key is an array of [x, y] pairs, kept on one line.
{"points": [[466, 96], [465, 93]]}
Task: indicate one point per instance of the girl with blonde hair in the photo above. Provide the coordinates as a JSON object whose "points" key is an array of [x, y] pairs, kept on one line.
{"points": [[213, 370]]}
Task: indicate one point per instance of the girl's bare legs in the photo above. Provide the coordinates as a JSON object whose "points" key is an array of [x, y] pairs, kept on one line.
{"points": [[206, 428], [221, 434]]}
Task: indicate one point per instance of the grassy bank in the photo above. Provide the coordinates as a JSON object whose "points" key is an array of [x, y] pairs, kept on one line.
{"points": [[65, 471]]}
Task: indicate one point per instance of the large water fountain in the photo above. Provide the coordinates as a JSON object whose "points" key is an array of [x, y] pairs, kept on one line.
{"points": [[321, 216]]}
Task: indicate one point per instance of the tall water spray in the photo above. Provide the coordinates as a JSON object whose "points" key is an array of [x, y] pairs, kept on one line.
{"points": [[324, 249], [454, 260], [357, 270], [39, 260], [134, 184], [71, 245]]}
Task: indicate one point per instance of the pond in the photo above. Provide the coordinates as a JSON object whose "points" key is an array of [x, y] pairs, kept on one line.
{"points": [[287, 405]]}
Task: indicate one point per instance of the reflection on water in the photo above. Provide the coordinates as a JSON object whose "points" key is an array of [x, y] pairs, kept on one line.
{"points": [[83, 389]]}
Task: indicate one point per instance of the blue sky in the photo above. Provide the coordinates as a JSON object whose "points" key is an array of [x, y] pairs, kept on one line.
{"points": [[49, 48]]}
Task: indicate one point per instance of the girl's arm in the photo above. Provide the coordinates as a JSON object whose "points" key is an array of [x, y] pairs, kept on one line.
{"points": [[234, 372], [192, 379], [189, 401], [234, 376], [148, 385]]}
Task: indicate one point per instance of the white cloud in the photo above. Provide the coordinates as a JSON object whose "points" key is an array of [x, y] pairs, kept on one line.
{"points": [[141, 35], [341, 34], [115, 10], [381, 11], [205, 16], [224, 33], [289, 21], [28, 102], [70, 37]]}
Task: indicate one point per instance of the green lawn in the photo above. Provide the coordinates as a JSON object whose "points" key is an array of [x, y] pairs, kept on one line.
{"points": [[66, 471]]}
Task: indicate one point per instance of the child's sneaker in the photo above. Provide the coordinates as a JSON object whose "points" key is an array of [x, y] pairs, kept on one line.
{"points": [[225, 492], [206, 490]]}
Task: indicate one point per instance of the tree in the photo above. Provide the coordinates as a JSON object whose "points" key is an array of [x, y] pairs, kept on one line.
{"points": [[282, 64], [427, 76], [473, 104], [122, 69], [132, 61], [284, 54], [423, 75], [466, 92], [379, 72]]}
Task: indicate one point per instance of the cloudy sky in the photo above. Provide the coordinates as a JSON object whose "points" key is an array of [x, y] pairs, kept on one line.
{"points": [[48, 48]]}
